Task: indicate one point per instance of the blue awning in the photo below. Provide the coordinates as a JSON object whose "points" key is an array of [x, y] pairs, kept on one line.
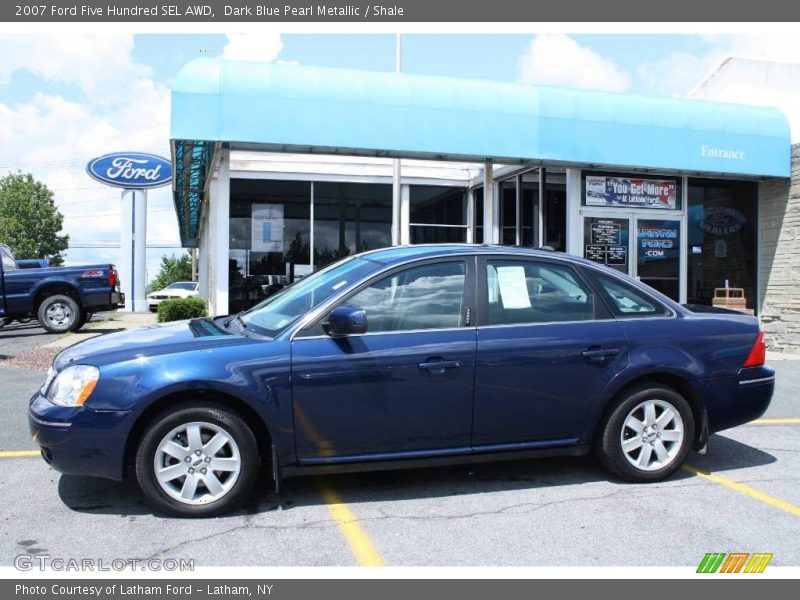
{"points": [[290, 108]]}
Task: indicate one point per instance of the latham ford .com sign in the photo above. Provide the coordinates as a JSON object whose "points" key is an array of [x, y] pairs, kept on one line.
{"points": [[131, 170]]}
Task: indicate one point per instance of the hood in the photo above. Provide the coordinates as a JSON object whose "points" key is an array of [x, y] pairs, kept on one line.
{"points": [[156, 340]]}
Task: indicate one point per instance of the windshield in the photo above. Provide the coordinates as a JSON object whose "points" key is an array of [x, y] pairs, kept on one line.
{"points": [[182, 285], [280, 310]]}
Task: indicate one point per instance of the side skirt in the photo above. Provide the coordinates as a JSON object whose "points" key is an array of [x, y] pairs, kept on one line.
{"points": [[438, 461]]}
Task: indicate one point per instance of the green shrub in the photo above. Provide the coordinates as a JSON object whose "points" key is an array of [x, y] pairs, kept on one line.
{"points": [[178, 309]]}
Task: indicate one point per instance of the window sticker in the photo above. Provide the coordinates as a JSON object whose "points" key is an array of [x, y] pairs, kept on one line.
{"points": [[513, 287]]}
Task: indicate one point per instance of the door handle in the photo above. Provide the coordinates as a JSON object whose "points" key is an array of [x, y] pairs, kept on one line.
{"points": [[439, 367], [597, 354]]}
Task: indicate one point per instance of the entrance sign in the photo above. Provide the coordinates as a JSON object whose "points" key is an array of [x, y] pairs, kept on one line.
{"points": [[131, 170], [267, 228], [631, 193]]}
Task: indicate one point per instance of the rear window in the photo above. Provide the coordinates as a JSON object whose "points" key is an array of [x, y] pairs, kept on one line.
{"points": [[7, 259], [625, 300]]}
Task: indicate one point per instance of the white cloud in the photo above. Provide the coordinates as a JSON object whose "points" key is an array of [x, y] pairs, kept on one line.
{"points": [[121, 107], [676, 73], [558, 59], [742, 82], [264, 47], [100, 65]]}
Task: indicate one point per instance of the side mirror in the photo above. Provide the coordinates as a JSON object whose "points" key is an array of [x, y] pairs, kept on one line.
{"points": [[346, 320]]}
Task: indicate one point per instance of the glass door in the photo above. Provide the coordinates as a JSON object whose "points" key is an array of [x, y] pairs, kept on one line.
{"points": [[658, 254], [606, 240]]}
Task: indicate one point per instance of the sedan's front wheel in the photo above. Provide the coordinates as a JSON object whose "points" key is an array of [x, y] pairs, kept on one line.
{"points": [[647, 435], [197, 461]]}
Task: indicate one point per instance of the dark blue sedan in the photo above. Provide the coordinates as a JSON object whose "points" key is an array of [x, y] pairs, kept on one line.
{"points": [[413, 356]]}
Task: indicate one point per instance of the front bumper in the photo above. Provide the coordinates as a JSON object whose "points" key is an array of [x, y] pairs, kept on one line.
{"points": [[79, 440]]}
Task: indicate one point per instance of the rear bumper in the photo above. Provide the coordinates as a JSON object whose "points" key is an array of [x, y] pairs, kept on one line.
{"points": [[78, 440], [739, 399], [111, 301]]}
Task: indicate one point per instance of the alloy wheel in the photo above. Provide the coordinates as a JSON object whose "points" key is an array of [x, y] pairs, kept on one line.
{"points": [[197, 463], [652, 435]]}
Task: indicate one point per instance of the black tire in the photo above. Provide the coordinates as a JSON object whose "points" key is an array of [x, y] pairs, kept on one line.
{"points": [[65, 315], [84, 319], [609, 442], [5, 321], [213, 415]]}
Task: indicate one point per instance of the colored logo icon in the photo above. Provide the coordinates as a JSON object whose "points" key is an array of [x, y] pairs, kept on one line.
{"points": [[734, 562]]}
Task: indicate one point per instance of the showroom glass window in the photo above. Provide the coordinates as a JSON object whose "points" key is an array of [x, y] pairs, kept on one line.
{"points": [[520, 211], [438, 214], [350, 218], [270, 237], [721, 238]]}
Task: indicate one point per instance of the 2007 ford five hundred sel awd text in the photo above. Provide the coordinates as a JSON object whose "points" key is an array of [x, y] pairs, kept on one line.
{"points": [[405, 356]]}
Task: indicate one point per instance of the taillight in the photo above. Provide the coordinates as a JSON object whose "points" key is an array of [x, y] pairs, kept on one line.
{"points": [[758, 353], [112, 277]]}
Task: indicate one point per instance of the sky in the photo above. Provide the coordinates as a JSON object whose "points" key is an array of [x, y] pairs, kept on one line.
{"points": [[65, 98]]}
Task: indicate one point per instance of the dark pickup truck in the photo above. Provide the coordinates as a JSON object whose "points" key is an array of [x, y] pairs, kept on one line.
{"points": [[62, 298]]}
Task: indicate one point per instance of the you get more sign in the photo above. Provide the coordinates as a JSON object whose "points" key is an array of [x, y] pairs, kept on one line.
{"points": [[131, 170]]}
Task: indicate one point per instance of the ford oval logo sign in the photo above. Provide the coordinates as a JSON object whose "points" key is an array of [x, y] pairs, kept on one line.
{"points": [[133, 170]]}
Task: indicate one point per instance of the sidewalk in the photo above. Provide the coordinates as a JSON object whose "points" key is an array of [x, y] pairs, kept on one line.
{"points": [[41, 357], [118, 321]]}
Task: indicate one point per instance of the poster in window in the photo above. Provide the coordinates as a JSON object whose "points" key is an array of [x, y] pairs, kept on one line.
{"points": [[267, 228], [631, 193], [658, 240], [606, 231]]}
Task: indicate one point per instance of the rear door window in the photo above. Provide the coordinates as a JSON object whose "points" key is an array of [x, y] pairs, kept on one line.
{"points": [[521, 291]]}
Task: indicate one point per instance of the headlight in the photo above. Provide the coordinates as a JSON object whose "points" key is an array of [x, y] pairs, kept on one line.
{"points": [[73, 385]]}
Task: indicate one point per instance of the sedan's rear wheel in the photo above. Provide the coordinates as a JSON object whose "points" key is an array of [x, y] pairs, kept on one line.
{"points": [[647, 435], [197, 461]]}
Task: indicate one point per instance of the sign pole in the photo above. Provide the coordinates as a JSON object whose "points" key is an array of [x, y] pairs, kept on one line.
{"points": [[133, 250], [135, 173]]}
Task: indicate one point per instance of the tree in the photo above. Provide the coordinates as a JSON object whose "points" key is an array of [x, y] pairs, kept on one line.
{"points": [[173, 268], [30, 223]]}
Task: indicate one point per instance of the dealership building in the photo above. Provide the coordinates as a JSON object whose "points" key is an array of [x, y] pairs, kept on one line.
{"points": [[282, 169]]}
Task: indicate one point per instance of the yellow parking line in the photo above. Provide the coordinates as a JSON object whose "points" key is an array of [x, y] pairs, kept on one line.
{"points": [[746, 490], [775, 422], [357, 539], [19, 453]]}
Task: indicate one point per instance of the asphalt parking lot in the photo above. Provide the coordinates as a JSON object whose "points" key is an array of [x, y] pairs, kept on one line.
{"points": [[566, 511]]}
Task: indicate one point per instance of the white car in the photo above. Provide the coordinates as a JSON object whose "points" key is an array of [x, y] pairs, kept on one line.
{"points": [[179, 289]]}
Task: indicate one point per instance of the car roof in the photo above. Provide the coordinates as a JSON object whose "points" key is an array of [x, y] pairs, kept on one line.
{"points": [[400, 254]]}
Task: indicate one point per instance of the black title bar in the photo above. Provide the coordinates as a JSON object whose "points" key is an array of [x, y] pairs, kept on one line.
{"points": [[440, 11]]}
